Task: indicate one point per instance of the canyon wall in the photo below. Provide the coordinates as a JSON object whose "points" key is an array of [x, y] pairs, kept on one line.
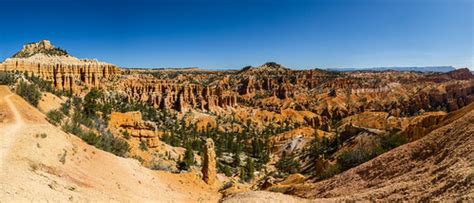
{"points": [[64, 76], [167, 94], [66, 72]]}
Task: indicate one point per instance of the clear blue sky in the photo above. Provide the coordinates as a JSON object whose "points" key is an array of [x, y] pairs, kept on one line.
{"points": [[232, 34]]}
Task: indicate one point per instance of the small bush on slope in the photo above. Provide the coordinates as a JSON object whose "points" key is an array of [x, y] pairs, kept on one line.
{"points": [[65, 107], [29, 92], [188, 159], [391, 141], [354, 157], [7, 79], [143, 146], [357, 156], [108, 142], [55, 117], [288, 163]]}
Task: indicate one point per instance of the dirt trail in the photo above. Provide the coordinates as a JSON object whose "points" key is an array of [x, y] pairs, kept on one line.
{"points": [[8, 134], [40, 162]]}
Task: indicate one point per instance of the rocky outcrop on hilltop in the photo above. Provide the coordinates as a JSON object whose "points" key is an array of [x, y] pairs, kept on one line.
{"points": [[209, 163], [267, 68], [461, 74], [458, 74], [42, 47], [66, 72]]}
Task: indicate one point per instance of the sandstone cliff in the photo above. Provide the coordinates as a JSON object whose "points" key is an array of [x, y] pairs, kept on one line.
{"points": [[172, 94], [65, 72], [132, 123]]}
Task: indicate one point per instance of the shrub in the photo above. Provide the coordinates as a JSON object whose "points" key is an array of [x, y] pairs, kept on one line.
{"points": [[41, 84], [250, 169], [236, 159], [89, 137], [29, 92], [320, 147], [355, 157], [80, 118], [109, 143], [7, 78], [161, 166], [54, 117], [329, 171], [243, 174], [126, 135], [288, 164], [91, 103], [143, 146], [188, 159], [391, 141], [226, 170], [65, 107], [42, 135]]}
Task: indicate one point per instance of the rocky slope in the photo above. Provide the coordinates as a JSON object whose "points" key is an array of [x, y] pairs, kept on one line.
{"points": [[438, 166]]}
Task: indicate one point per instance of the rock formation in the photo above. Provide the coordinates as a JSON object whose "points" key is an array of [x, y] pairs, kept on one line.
{"points": [[132, 123], [66, 72], [436, 167], [209, 163], [172, 94]]}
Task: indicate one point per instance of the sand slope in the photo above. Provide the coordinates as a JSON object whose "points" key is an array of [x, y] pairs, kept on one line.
{"points": [[59, 166]]}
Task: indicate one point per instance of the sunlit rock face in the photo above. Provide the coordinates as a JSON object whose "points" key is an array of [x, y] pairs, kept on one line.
{"points": [[66, 72], [168, 94]]}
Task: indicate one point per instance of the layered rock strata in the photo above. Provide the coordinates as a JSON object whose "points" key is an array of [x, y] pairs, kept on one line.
{"points": [[133, 124], [66, 72], [167, 94]]}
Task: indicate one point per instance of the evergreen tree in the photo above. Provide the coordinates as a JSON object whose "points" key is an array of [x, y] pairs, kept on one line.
{"points": [[236, 159], [287, 163], [226, 170], [189, 156], [91, 103], [188, 159], [243, 175], [256, 148], [250, 169]]}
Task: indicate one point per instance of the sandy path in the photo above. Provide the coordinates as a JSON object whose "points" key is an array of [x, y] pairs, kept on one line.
{"points": [[7, 134], [31, 167]]}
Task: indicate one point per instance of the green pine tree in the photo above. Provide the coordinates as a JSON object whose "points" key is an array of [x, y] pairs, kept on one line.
{"points": [[250, 168], [243, 174]]}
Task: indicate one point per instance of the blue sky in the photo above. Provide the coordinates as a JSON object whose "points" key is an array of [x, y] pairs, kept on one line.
{"points": [[232, 34]]}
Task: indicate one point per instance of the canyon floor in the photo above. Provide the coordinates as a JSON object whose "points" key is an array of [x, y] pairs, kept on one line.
{"points": [[42, 163]]}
